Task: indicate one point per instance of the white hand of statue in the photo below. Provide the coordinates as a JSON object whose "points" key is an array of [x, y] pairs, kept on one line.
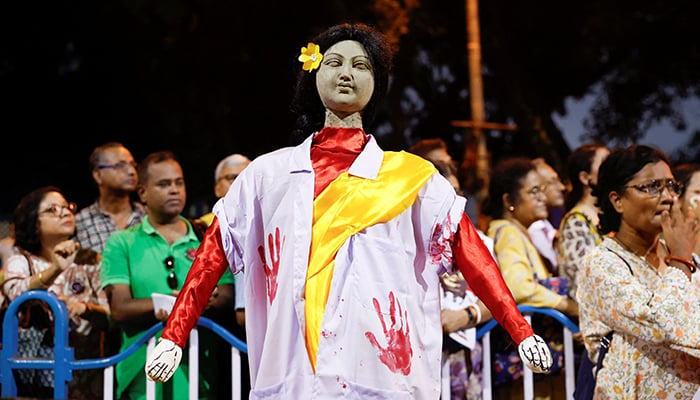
{"points": [[535, 354], [163, 361]]}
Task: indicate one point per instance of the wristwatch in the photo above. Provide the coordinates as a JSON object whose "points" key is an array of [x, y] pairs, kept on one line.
{"points": [[470, 313]]}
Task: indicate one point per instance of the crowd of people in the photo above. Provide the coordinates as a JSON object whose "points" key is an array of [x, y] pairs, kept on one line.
{"points": [[105, 261], [356, 272]]}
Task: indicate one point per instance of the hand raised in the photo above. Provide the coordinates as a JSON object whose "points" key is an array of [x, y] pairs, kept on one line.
{"points": [[64, 253], [680, 230]]}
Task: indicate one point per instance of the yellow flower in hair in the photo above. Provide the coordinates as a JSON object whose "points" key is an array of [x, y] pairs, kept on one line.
{"points": [[311, 57]]}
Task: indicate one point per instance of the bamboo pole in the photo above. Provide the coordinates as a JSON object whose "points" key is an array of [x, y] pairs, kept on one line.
{"points": [[476, 94]]}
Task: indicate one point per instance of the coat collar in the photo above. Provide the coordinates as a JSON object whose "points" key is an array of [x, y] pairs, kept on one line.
{"points": [[366, 165]]}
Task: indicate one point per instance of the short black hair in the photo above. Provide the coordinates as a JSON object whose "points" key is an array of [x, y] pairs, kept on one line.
{"points": [[507, 178], [153, 158], [581, 159], [615, 172], [96, 155]]}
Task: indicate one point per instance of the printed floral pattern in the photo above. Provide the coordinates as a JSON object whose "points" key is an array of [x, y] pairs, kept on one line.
{"points": [[577, 236], [655, 351]]}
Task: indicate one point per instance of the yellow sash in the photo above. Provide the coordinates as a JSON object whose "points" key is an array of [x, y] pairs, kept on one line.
{"points": [[347, 206]]}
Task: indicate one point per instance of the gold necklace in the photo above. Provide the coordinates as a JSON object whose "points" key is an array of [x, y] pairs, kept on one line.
{"points": [[628, 248]]}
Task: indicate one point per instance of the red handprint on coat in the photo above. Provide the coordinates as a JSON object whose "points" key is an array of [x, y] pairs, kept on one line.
{"points": [[275, 249], [398, 352], [438, 248]]}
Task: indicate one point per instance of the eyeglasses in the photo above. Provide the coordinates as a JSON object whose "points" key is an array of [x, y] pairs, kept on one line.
{"points": [[229, 177], [121, 165], [170, 266], [537, 190], [655, 186], [56, 210]]}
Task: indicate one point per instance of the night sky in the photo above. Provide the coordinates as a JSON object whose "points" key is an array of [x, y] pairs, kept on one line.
{"points": [[198, 82], [207, 79]]}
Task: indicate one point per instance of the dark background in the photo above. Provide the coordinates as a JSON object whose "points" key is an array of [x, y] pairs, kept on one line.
{"points": [[207, 78]]}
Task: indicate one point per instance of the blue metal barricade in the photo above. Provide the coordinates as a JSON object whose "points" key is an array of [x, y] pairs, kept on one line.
{"points": [[483, 334], [64, 363]]}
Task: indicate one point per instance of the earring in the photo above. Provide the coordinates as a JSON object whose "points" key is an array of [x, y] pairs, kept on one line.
{"points": [[511, 208]]}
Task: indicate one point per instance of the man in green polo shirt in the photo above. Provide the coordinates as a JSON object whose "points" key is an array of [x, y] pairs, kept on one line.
{"points": [[155, 257]]}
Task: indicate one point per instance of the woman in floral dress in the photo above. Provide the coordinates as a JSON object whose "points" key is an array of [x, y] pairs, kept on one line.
{"points": [[637, 283]]}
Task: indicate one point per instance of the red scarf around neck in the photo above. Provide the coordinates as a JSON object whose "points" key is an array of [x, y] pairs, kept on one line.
{"points": [[333, 151]]}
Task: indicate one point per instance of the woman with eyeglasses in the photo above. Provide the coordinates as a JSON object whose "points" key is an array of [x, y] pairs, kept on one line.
{"points": [[636, 283], [515, 200], [47, 259]]}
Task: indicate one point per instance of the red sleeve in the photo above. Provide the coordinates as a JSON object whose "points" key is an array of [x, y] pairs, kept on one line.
{"points": [[209, 265], [485, 280]]}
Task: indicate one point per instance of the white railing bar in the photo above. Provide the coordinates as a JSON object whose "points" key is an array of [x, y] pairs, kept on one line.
{"points": [[194, 364], [150, 385], [446, 388], [528, 380], [487, 391], [236, 374], [108, 389], [569, 367]]}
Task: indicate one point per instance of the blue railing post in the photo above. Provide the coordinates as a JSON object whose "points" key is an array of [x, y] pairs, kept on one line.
{"points": [[568, 326], [63, 355], [556, 314]]}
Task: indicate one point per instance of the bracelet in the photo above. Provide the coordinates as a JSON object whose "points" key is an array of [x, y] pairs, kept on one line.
{"points": [[688, 263], [476, 318], [478, 314], [470, 314]]}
